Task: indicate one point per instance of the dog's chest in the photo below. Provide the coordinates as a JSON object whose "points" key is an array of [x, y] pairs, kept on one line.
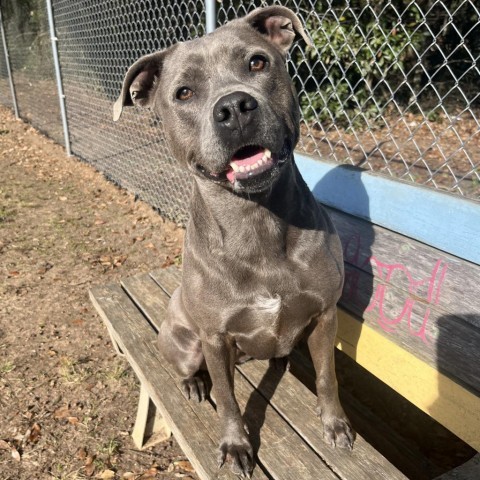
{"points": [[272, 323]]}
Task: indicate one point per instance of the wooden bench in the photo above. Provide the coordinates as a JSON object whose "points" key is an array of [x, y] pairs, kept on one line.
{"points": [[409, 315]]}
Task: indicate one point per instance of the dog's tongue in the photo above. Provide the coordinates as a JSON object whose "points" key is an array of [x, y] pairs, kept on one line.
{"points": [[246, 156]]}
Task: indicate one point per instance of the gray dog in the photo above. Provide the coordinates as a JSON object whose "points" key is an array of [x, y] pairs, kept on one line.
{"points": [[262, 266]]}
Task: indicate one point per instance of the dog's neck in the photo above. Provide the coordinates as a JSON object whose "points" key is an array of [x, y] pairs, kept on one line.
{"points": [[232, 221]]}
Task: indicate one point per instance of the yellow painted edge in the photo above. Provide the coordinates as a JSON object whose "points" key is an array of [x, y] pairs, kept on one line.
{"points": [[437, 395]]}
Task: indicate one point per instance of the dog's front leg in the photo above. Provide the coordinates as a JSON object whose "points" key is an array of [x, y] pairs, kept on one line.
{"points": [[220, 356], [337, 430]]}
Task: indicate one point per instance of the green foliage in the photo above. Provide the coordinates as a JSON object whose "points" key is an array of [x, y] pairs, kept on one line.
{"points": [[358, 59]]}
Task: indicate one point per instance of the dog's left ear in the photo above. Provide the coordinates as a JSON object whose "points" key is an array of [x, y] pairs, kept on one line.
{"points": [[279, 25]]}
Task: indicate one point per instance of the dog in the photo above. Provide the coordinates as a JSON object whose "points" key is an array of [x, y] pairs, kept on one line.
{"points": [[262, 263]]}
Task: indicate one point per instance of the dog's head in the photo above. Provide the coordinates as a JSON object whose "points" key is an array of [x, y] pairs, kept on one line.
{"points": [[230, 112]]}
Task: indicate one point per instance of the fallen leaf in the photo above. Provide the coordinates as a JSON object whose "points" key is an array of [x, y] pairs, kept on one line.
{"points": [[4, 445], [151, 471], [106, 475], [73, 420], [184, 465], [62, 412], [168, 261], [16, 455], [89, 465], [120, 260], [99, 222], [81, 453], [34, 433], [62, 199], [128, 475], [14, 273]]}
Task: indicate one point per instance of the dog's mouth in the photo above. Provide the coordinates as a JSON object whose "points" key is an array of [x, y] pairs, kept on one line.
{"points": [[249, 162], [251, 167]]}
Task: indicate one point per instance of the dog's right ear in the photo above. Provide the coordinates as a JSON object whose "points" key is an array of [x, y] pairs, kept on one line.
{"points": [[140, 83]]}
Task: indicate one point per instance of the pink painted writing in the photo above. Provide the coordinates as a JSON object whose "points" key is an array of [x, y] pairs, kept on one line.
{"points": [[389, 282]]}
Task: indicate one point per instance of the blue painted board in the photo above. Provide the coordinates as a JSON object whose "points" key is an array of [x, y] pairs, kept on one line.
{"points": [[448, 222]]}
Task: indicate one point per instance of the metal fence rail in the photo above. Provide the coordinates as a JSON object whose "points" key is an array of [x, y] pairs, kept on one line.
{"points": [[391, 85]]}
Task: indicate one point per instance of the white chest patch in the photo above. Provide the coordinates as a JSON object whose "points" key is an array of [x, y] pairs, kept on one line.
{"points": [[268, 305]]}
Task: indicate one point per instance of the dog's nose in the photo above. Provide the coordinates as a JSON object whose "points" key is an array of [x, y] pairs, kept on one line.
{"points": [[235, 110]]}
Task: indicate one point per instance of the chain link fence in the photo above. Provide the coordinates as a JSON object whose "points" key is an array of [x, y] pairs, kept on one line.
{"points": [[29, 46], [390, 86], [96, 46], [5, 93]]}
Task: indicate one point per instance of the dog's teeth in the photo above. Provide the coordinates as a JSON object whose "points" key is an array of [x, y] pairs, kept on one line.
{"points": [[262, 161], [241, 168], [247, 168], [234, 167], [268, 153]]}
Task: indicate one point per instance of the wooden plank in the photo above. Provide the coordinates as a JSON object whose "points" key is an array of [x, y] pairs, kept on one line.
{"points": [[296, 403], [394, 258], [137, 340], [468, 471], [448, 222], [433, 392], [167, 278], [280, 449], [420, 298], [148, 295], [150, 427]]}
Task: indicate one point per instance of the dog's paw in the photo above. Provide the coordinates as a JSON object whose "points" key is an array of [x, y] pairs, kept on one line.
{"points": [[195, 388], [338, 432], [240, 455]]}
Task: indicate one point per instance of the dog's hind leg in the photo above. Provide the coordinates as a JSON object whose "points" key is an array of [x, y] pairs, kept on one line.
{"points": [[182, 347]]}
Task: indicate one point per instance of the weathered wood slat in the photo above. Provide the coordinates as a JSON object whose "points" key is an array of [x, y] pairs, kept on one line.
{"points": [[170, 278], [368, 247], [468, 471], [281, 450], [137, 340], [153, 298], [420, 298], [296, 403], [150, 428]]}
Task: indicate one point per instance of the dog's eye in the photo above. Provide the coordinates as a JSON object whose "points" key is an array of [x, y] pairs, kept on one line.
{"points": [[257, 63], [184, 94]]}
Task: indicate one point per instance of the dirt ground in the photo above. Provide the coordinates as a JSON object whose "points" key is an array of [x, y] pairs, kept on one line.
{"points": [[67, 402]]}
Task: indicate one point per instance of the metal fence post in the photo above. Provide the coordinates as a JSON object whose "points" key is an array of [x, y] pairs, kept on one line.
{"points": [[9, 70], [58, 76], [211, 17]]}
